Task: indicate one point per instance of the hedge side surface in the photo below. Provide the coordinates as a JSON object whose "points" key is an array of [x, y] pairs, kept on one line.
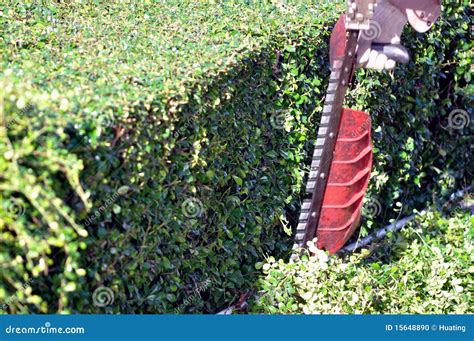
{"points": [[149, 148]]}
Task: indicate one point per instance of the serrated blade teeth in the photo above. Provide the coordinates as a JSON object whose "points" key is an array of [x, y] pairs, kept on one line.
{"points": [[325, 120], [320, 141], [317, 153], [335, 74], [303, 221], [332, 87], [310, 186], [313, 174], [301, 227], [306, 205], [330, 98]]}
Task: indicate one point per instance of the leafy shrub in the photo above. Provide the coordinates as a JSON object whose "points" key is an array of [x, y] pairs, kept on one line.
{"points": [[151, 147], [424, 269]]}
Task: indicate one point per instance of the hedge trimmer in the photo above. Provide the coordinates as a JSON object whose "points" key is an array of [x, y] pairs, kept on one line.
{"points": [[367, 35]]}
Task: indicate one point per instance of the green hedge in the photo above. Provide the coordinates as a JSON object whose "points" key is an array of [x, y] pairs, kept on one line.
{"points": [[424, 269], [154, 147]]}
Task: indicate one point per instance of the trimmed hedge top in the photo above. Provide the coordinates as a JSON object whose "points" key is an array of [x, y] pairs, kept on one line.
{"points": [[97, 56]]}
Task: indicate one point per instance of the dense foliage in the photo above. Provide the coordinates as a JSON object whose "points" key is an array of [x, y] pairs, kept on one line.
{"points": [[424, 269], [150, 147]]}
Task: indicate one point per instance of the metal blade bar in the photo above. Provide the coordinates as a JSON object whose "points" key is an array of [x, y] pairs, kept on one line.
{"points": [[326, 142]]}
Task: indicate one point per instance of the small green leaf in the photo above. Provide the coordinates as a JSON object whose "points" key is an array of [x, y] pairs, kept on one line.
{"points": [[237, 180]]}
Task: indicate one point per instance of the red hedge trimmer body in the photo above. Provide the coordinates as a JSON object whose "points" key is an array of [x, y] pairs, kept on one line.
{"points": [[342, 158]]}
